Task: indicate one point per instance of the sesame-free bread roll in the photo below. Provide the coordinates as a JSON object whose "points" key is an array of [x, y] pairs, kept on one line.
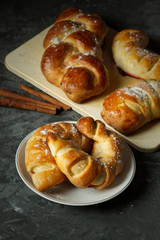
{"points": [[78, 166], [129, 108], [72, 59], [39, 161], [131, 55], [107, 149]]}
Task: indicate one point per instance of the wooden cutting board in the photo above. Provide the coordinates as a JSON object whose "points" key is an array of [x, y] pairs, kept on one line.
{"points": [[25, 62]]}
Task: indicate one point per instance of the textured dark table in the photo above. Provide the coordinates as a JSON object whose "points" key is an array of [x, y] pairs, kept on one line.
{"points": [[135, 214]]}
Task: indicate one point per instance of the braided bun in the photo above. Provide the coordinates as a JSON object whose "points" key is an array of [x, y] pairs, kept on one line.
{"points": [[72, 59]]}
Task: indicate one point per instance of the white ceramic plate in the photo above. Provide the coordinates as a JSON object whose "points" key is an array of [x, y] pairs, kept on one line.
{"points": [[67, 194]]}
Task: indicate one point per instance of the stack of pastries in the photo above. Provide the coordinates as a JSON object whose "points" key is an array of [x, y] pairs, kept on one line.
{"points": [[85, 153]]}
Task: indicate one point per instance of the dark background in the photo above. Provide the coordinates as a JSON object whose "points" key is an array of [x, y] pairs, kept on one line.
{"points": [[135, 214]]}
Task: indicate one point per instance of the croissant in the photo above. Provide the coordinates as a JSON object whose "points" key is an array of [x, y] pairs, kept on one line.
{"points": [[39, 161], [79, 167], [132, 57], [107, 148], [129, 108], [72, 59]]}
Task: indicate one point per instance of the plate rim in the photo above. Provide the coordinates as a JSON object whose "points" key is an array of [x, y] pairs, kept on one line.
{"points": [[44, 195]]}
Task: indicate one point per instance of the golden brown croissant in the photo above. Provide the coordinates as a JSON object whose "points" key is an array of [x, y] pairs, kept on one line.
{"points": [[79, 167], [73, 57], [107, 148], [39, 161], [131, 56], [129, 108]]}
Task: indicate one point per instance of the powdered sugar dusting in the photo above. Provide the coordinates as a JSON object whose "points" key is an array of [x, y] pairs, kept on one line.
{"points": [[44, 132], [46, 151], [156, 86]]}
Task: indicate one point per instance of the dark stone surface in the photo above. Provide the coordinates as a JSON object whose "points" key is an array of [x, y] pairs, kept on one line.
{"points": [[135, 214]]}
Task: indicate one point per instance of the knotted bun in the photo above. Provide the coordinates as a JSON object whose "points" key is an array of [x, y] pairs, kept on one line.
{"points": [[73, 56]]}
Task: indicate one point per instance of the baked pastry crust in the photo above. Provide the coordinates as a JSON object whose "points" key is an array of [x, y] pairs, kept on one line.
{"points": [[79, 167], [107, 149], [86, 154], [72, 59], [131, 55], [129, 108], [39, 161]]}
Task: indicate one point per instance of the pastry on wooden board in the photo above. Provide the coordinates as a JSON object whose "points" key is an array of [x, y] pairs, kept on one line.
{"points": [[72, 59], [131, 55], [129, 108]]}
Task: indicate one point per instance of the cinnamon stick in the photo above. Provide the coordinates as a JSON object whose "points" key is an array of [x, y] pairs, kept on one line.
{"points": [[7, 102], [9, 94], [44, 96]]}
